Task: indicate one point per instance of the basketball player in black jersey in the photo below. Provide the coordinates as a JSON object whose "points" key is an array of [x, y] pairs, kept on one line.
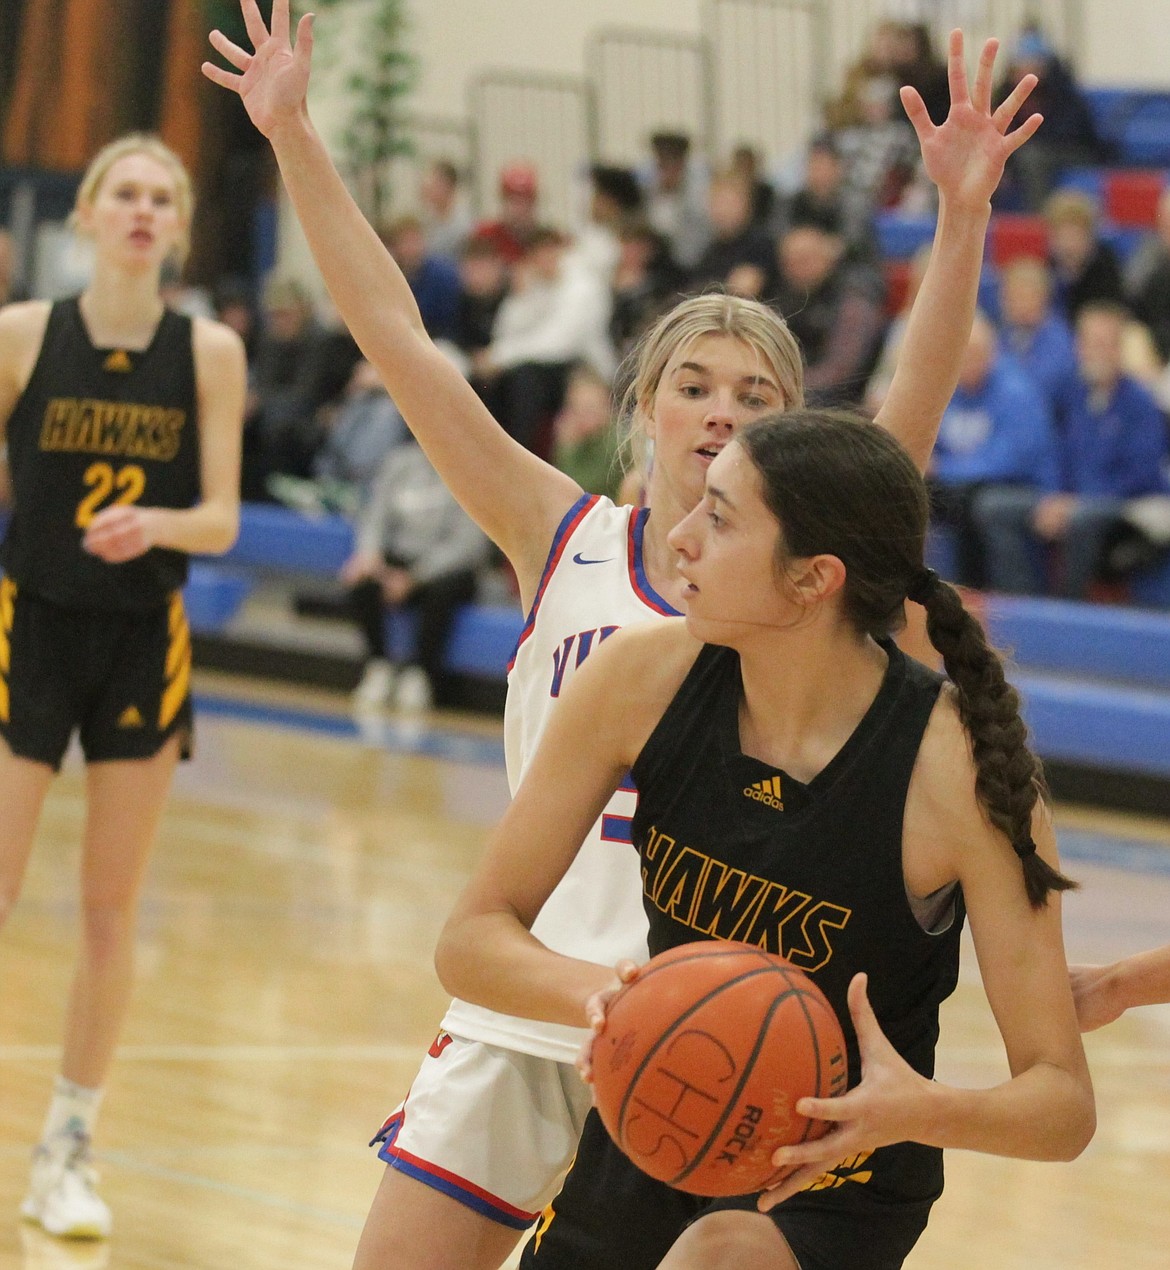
{"points": [[122, 422], [898, 804]]}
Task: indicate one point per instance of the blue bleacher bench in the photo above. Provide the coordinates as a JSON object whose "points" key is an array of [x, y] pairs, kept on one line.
{"points": [[285, 543]]}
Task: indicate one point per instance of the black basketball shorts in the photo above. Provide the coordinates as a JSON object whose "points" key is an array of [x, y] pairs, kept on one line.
{"points": [[121, 679], [609, 1213]]}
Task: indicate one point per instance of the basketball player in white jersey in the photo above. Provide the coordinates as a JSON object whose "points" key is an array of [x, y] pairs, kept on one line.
{"points": [[491, 1121]]}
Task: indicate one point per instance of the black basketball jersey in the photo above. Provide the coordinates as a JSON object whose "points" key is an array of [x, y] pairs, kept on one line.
{"points": [[95, 427], [735, 849]]}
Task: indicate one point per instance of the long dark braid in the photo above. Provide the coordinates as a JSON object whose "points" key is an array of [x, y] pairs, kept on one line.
{"points": [[840, 485], [1009, 778]]}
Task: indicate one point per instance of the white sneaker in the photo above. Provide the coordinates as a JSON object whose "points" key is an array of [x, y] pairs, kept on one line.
{"points": [[377, 685], [413, 693], [61, 1195]]}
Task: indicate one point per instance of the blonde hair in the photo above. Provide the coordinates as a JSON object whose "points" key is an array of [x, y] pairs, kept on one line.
{"points": [[1027, 269], [1070, 207], [713, 313], [154, 148]]}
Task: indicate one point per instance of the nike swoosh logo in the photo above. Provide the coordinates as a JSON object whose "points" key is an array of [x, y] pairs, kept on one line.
{"points": [[580, 559]]}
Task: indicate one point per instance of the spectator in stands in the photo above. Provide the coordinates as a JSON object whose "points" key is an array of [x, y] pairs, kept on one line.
{"points": [[821, 200], [883, 373], [513, 229], [675, 187], [741, 254], [483, 278], [834, 307], [879, 153], [1030, 327], [646, 282], [1148, 280], [614, 195], [916, 62], [9, 288], [747, 161], [1112, 448], [281, 432], [446, 216], [234, 305], [1085, 268], [1069, 136], [434, 280], [184, 297], [359, 431], [555, 314], [417, 549], [996, 432], [585, 434], [880, 57]]}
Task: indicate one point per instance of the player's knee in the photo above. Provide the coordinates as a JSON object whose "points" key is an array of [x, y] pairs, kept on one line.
{"points": [[729, 1241]]}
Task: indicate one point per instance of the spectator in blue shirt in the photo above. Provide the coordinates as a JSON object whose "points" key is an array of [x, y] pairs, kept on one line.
{"points": [[433, 279], [1031, 329], [995, 433], [1112, 448]]}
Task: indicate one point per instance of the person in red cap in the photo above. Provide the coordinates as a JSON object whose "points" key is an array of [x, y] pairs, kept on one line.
{"points": [[512, 231]]}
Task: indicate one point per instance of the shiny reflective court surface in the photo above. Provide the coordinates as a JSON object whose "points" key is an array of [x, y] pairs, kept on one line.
{"points": [[285, 994]]}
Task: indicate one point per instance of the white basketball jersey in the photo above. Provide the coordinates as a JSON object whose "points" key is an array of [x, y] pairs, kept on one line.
{"points": [[593, 583]]}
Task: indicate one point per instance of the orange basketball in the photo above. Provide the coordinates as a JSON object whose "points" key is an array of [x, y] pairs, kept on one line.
{"points": [[703, 1059]]}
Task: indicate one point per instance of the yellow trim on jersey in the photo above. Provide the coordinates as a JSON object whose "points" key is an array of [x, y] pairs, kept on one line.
{"points": [[178, 664], [7, 617], [546, 1218]]}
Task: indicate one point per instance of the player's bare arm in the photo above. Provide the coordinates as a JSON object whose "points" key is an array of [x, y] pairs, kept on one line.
{"points": [[964, 157], [1021, 959], [515, 497], [485, 953], [22, 328]]}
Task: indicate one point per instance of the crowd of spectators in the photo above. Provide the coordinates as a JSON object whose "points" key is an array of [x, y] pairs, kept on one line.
{"points": [[1055, 435], [1054, 445]]}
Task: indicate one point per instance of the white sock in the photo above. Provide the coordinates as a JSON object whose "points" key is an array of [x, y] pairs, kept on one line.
{"points": [[72, 1111]]}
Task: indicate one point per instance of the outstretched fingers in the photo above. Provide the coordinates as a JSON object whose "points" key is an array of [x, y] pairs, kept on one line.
{"points": [[981, 94], [1010, 106], [229, 51], [225, 79], [304, 49], [280, 20], [956, 70], [254, 23], [1023, 132], [916, 112]]}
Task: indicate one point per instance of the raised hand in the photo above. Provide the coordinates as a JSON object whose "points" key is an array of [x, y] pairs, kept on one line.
{"points": [[965, 155], [274, 78], [881, 1109]]}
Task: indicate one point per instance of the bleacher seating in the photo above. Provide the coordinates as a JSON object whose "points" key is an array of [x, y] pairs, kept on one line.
{"points": [[1134, 123], [1014, 234], [1129, 196], [1095, 680], [274, 541]]}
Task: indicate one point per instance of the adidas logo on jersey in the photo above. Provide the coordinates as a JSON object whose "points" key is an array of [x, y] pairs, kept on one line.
{"points": [[130, 718], [119, 361], [766, 792]]}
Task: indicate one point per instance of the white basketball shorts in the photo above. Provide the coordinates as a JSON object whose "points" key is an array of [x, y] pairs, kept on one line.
{"points": [[494, 1129]]}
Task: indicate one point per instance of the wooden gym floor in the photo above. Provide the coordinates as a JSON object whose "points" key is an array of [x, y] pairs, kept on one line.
{"points": [[286, 993]]}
